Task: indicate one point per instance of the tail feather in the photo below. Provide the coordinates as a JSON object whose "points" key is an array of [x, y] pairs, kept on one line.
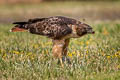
{"points": [[20, 23], [19, 27]]}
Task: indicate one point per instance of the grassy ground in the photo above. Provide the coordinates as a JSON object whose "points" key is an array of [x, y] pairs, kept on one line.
{"points": [[25, 56]]}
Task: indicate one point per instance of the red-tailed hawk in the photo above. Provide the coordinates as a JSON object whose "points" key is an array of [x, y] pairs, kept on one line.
{"points": [[59, 29]]}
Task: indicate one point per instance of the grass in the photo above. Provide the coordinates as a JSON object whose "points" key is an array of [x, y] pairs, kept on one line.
{"points": [[25, 56]]}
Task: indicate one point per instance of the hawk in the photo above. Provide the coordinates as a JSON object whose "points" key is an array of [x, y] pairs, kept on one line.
{"points": [[60, 29]]}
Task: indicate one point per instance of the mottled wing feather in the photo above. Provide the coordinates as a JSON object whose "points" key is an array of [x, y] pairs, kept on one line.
{"points": [[53, 27], [36, 20], [58, 31]]}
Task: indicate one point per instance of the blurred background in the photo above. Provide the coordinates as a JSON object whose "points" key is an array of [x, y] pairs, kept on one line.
{"points": [[90, 10]]}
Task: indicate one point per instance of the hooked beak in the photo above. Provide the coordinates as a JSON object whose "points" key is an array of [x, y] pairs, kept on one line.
{"points": [[91, 32]]}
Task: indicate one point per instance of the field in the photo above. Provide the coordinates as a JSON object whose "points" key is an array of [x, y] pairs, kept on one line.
{"points": [[24, 56]]}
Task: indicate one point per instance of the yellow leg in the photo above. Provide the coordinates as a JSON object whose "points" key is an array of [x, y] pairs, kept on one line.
{"points": [[61, 62], [65, 48]]}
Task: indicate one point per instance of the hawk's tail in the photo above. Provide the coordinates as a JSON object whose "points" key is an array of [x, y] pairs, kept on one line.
{"points": [[19, 27]]}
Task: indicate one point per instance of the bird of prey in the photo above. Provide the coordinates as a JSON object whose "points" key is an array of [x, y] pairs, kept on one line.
{"points": [[60, 29]]}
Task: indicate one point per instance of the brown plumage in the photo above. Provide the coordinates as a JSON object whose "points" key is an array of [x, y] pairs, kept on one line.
{"points": [[59, 29]]}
